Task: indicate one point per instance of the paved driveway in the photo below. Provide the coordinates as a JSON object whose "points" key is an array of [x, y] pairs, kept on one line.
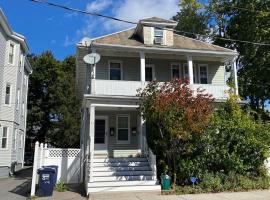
{"points": [[17, 187], [252, 195]]}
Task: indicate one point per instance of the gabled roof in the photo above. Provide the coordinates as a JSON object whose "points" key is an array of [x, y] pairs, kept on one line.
{"points": [[127, 38], [157, 19]]}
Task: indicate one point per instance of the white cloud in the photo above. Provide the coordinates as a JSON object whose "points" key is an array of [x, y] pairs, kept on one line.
{"points": [[69, 41], [134, 10], [98, 5], [131, 10]]}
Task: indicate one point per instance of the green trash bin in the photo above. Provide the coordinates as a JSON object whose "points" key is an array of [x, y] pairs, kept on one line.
{"points": [[165, 182]]}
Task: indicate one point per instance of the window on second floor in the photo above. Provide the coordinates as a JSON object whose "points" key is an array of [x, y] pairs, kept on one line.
{"points": [[149, 73], [175, 71], [8, 94], [11, 53], [203, 74], [158, 36], [115, 70]]}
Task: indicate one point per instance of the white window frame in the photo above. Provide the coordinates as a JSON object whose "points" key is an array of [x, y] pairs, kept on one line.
{"points": [[179, 67], [153, 71], [123, 141], [10, 95], [14, 52], [121, 68], [199, 67], [1, 137]]}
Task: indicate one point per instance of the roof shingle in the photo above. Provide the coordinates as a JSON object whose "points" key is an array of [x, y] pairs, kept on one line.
{"points": [[126, 38]]}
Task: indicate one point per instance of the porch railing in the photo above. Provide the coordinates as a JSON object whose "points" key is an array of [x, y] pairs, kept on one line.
{"points": [[129, 88], [151, 157]]}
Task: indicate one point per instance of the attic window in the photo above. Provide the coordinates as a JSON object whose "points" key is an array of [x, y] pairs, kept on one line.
{"points": [[158, 36]]}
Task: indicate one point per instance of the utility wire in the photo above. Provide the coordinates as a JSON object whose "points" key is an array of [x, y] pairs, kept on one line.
{"points": [[135, 23]]}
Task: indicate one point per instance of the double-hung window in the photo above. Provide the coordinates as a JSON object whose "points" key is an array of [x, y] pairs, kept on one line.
{"points": [[158, 36], [3, 137], [115, 72], [203, 74], [175, 71], [11, 53], [123, 129], [8, 94]]}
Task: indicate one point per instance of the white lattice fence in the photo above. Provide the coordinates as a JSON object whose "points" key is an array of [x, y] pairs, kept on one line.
{"points": [[68, 162]]}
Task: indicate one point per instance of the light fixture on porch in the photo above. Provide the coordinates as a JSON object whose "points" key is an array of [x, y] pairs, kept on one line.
{"points": [[134, 130], [112, 131]]}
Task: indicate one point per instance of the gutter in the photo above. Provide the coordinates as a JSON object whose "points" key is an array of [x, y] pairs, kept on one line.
{"points": [[165, 50]]}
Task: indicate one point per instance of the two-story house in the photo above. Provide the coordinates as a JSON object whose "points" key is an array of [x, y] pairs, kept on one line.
{"points": [[113, 133], [14, 73]]}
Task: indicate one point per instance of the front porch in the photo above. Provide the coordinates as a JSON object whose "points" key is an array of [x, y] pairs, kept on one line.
{"points": [[118, 155]]}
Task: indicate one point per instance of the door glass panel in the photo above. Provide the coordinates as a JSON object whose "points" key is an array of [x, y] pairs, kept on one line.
{"points": [[100, 131]]}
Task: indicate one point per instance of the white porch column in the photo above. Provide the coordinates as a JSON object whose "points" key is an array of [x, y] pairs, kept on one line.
{"points": [[142, 59], [142, 134], [235, 76], [92, 137], [190, 69]]}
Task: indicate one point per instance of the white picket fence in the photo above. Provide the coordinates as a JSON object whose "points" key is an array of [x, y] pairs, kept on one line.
{"points": [[67, 160]]}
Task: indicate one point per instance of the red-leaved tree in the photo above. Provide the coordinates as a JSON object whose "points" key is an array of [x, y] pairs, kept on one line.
{"points": [[176, 111]]}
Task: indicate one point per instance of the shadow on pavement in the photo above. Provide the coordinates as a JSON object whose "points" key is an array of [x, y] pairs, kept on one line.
{"points": [[24, 177]]}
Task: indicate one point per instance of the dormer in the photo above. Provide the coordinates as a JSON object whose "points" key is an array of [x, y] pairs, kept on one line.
{"points": [[156, 31]]}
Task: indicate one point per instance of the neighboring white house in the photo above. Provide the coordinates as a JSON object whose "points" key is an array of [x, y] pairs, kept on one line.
{"points": [[113, 134], [14, 73]]}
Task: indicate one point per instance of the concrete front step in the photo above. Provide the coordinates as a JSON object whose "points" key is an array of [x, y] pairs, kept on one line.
{"points": [[121, 183], [125, 168], [153, 188], [120, 164], [120, 160], [123, 173], [122, 178]]}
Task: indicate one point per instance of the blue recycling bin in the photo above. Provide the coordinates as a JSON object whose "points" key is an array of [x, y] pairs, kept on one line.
{"points": [[56, 172], [46, 181]]}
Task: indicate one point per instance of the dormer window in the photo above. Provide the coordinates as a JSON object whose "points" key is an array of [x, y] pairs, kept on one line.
{"points": [[158, 36]]}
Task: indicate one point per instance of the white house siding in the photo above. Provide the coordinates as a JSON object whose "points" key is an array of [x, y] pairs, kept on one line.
{"points": [[112, 145], [80, 71], [2, 59], [131, 69]]}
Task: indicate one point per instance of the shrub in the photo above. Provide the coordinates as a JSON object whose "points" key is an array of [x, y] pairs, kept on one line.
{"points": [[226, 150], [60, 186]]}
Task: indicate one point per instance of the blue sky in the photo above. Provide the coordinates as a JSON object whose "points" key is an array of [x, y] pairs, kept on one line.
{"points": [[48, 28]]}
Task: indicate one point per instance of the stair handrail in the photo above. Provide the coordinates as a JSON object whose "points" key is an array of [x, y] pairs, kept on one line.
{"points": [[151, 157]]}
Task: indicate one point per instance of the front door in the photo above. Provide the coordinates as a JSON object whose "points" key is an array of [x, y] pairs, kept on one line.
{"points": [[101, 134]]}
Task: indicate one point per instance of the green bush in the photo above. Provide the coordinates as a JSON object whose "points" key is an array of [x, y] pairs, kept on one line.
{"points": [[229, 155], [60, 186]]}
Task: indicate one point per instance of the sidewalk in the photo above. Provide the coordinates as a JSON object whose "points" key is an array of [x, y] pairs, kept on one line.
{"points": [[251, 195]]}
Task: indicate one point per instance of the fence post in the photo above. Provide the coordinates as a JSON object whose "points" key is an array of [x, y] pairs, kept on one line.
{"points": [[41, 155], [34, 174]]}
